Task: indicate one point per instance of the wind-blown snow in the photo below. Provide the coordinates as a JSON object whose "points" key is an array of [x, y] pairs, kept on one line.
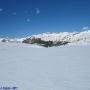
{"points": [[56, 68]]}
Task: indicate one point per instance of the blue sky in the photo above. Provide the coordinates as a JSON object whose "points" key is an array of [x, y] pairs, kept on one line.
{"points": [[26, 17]]}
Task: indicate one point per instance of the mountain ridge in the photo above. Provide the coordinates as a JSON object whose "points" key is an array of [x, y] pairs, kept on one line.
{"points": [[70, 37]]}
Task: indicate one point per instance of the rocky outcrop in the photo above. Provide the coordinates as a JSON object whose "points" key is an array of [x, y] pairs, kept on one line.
{"points": [[3, 40], [44, 43]]}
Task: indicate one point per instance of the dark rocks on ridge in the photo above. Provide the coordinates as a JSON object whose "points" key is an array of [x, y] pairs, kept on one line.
{"points": [[44, 43]]}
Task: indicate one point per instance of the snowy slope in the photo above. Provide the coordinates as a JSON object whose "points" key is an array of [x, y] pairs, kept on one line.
{"points": [[56, 68], [72, 37], [65, 36]]}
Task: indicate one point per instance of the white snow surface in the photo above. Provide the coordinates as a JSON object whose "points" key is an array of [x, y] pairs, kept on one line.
{"points": [[55, 68]]}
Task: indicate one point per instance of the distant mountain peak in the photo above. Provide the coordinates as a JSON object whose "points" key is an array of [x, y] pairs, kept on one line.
{"points": [[71, 37]]}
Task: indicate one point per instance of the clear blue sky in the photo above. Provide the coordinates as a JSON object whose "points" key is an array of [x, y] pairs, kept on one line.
{"points": [[26, 17]]}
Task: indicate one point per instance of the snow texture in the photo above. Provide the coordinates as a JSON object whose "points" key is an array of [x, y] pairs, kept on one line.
{"points": [[55, 68]]}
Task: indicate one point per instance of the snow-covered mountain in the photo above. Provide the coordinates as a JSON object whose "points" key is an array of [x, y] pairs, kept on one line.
{"points": [[66, 36], [71, 37], [56, 68]]}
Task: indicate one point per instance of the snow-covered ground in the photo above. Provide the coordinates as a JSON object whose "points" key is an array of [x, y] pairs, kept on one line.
{"points": [[57, 68]]}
